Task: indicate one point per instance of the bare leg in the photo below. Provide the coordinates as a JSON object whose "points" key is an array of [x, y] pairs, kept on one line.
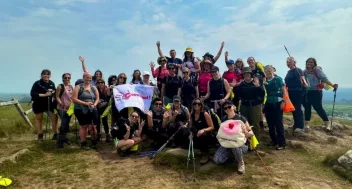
{"points": [[38, 122]]}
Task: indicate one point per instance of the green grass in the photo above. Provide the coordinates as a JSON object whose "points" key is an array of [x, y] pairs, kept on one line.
{"points": [[331, 162]]}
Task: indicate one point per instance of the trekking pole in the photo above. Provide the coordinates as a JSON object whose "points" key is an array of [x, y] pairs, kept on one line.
{"points": [[191, 152], [287, 51], [165, 144], [333, 108]]}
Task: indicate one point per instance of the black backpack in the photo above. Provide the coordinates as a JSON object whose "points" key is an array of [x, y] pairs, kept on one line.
{"points": [[63, 89]]}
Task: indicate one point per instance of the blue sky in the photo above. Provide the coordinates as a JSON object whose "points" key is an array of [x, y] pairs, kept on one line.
{"points": [[119, 36]]}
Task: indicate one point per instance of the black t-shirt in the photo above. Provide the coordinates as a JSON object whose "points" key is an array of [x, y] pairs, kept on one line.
{"points": [[236, 117], [250, 94], [119, 130], [158, 118], [172, 84], [188, 89]]}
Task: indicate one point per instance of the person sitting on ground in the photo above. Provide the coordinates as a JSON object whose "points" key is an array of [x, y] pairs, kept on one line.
{"points": [[171, 85], [127, 133], [160, 72], [273, 108], [86, 98], [314, 95], [104, 97], [172, 59], [218, 91], [136, 77], [251, 95], [97, 74], [191, 63], [155, 132], [202, 128], [42, 96], [178, 117], [63, 99], [210, 57], [189, 88], [222, 154], [296, 84]]}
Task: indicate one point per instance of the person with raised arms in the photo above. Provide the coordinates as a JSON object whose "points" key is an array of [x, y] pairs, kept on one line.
{"points": [[63, 99], [172, 59], [97, 74], [86, 98], [42, 94], [161, 72], [210, 57]]}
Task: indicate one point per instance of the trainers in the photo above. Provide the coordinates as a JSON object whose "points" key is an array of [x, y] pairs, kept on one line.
{"points": [[55, 136], [116, 141], [241, 168], [41, 137], [280, 148], [299, 132], [204, 159]]}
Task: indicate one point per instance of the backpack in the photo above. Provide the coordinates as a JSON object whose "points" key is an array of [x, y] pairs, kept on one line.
{"points": [[259, 66], [81, 89], [215, 118], [63, 89], [321, 85]]}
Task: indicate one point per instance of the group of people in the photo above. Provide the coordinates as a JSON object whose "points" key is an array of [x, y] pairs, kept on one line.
{"points": [[191, 87]]}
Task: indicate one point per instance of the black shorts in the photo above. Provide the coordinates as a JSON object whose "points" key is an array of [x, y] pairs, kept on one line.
{"points": [[40, 107], [91, 117]]}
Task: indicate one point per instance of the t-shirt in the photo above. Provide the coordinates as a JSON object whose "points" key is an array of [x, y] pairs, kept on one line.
{"points": [[172, 84], [251, 95], [174, 61], [273, 89], [293, 80], [188, 89], [119, 130], [236, 117], [230, 76], [204, 78], [190, 65]]}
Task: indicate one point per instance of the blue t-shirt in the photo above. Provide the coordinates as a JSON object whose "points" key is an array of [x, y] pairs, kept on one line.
{"points": [[293, 80], [174, 61]]}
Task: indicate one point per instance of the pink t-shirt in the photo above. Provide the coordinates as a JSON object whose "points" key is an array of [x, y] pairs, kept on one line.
{"points": [[160, 76], [204, 78], [230, 76], [66, 98]]}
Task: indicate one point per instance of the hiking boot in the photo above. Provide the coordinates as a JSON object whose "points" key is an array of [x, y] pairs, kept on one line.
{"points": [[306, 126], [94, 144], [84, 145], [280, 148], [328, 126], [299, 132], [241, 168], [41, 137], [107, 138], [59, 144], [204, 159], [55, 136]]}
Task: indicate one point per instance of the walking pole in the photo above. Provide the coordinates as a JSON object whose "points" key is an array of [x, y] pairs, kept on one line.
{"points": [[287, 51], [333, 108], [165, 144]]}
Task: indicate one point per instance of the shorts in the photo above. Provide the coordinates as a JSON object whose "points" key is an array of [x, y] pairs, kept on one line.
{"points": [[40, 107], [91, 117]]}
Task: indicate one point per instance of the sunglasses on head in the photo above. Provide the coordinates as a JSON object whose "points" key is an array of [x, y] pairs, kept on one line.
{"points": [[227, 108], [197, 104]]}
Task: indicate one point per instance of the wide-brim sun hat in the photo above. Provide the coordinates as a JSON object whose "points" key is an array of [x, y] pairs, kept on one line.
{"points": [[189, 49]]}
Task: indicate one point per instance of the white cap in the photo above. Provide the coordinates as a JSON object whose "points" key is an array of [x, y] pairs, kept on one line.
{"points": [[146, 73]]}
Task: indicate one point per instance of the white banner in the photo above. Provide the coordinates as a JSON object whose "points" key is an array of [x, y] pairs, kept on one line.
{"points": [[127, 95]]}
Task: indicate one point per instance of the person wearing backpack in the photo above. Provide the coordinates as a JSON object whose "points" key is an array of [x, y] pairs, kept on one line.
{"points": [[160, 73], [97, 74], [104, 97], [223, 153], [172, 59], [296, 84], [218, 91], [86, 98], [189, 88], [171, 85], [273, 108], [314, 94], [63, 98], [191, 63], [177, 116], [42, 94], [202, 128], [251, 94]]}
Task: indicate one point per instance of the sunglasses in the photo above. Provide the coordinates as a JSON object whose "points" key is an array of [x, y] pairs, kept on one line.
{"points": [[158, 104], [185, 72], [133, 116], [227, 108], [162, 60], [171, 68], [67, 78], [197, 104], [123, 78], [101, 83]]}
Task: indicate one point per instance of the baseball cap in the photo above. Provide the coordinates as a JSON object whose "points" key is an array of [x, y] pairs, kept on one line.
{"points": [[230, 62], [176, 98], [215, 69], [146, 73]]}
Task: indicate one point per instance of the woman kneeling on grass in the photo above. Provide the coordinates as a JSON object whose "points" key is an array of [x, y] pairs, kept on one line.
{"points": [[223, 154], [86, 97], [127, 133]]}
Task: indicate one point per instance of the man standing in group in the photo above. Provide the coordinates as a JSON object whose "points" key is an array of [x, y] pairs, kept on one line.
{"points": [[172, 59]]}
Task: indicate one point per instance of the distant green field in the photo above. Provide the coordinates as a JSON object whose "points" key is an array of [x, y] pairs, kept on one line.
{"points": [[341, 110]]}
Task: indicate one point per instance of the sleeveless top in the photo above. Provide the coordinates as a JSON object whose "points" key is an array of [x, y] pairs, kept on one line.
{"points": [[217, 89], [86, 96], [204, 78], [201, 123], [66, 98]]}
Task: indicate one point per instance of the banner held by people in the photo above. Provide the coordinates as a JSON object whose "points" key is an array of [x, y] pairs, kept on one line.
{"points": [[127, 95]]}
